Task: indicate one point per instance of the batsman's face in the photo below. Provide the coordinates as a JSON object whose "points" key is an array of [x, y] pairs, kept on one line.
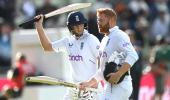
{"points": [[103, 23], [78, 29]]}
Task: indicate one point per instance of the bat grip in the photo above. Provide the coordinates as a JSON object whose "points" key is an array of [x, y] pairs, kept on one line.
{"points": [[28, 22]]}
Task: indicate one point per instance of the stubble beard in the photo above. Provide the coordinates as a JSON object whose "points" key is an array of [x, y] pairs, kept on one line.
{"points": [[77, 34], [104, 29]]}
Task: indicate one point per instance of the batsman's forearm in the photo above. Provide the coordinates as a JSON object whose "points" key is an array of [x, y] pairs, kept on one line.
{"points": [[92, 82], [124, 68], [47, 46]]}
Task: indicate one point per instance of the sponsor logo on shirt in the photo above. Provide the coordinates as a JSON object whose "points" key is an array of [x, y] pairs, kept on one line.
{"points": [[75, 58], [126, 44], [103, 54]]}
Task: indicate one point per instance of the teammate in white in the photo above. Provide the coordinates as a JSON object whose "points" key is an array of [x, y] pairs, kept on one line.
{"points": [[115, 46], [81, 46]]}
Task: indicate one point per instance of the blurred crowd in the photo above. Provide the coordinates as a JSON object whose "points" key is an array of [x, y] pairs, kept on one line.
{"points": [[147, 22]]}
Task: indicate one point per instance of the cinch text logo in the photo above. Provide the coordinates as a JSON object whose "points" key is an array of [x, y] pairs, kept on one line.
{"points": [[75, 58]]}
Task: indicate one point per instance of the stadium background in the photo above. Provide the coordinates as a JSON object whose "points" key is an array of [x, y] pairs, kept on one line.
{"points": [[141, 19]]}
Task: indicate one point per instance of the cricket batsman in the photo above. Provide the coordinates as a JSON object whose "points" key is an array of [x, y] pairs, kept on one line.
{"points": [[82, 49]]}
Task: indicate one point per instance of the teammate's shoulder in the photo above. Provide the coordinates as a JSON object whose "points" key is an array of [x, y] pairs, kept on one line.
{"points": [[93, 37], [123, 34]]}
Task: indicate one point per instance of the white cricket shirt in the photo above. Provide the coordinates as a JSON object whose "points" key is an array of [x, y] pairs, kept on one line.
{"points": [[82, 54], [118, 43]]}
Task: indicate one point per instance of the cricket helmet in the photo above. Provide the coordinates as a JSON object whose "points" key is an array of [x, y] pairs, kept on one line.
{"points": [[76, 18]]}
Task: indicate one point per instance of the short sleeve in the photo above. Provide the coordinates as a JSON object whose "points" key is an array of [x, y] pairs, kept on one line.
{"points": [[60, 45]]}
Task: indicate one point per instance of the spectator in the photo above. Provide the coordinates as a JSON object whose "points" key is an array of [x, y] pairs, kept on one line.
{"points": [[120, 7], [159, 60], [147, 85], [7, 10], [152, 84], [101, 4], [137, 5], [28, 11], [5, 45], [21, 62], [141, 27], [2, 97], [15, 84], [161, 4], [46, 8], [160, 26], [168, 5], [136, 70], [28, 8]]}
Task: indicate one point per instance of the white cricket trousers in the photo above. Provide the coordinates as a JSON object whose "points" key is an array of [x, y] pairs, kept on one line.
{"points": [[121, 91]]}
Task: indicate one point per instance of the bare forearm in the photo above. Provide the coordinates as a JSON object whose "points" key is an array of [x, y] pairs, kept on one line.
{"points": [[43, 38], [93, 82], [124, 68], [90, 83]]}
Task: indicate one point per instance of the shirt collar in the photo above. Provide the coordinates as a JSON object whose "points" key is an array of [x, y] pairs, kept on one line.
{"points": [[113, 29], [85, 34]]}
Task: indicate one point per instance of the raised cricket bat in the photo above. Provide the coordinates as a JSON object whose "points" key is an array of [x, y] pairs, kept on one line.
{"points": [[68, 8], [54, 81]]}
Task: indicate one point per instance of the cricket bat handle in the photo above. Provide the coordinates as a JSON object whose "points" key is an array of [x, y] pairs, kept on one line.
{"points": [[28, 22]]}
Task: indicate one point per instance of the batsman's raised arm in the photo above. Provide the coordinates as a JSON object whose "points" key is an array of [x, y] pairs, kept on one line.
{"points": [[45, 42]]}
